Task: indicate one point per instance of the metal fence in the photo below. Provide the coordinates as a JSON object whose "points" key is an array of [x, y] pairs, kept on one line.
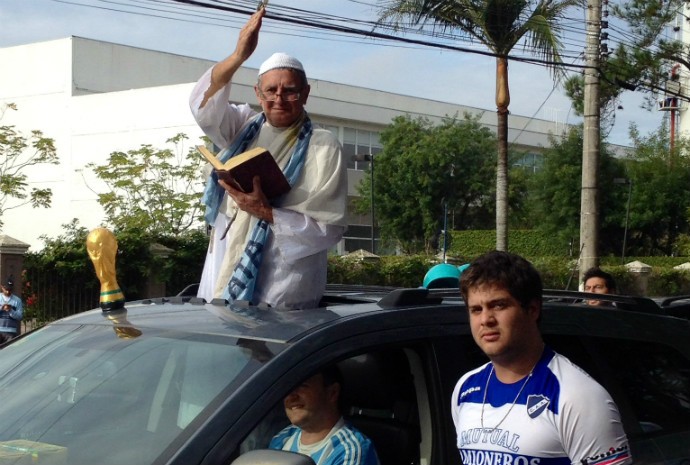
{"points": [[48, 296]]}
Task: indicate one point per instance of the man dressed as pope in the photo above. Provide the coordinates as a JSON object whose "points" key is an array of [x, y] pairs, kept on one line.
{"points": [[269, 252]]}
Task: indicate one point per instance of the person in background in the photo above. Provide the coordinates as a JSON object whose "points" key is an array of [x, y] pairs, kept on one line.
{"points": [[528, 404], [261, 251], [597, 281], [11, 312], [318, 428]]}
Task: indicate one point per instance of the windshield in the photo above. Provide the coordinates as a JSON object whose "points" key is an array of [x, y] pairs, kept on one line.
{"points": [[87, 395]]}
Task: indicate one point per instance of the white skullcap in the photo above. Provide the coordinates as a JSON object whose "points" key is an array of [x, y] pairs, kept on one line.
{"points": [[280, 60]]}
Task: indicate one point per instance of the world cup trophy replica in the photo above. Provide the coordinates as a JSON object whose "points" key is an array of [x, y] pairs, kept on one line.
{"points": [[102, 248]]}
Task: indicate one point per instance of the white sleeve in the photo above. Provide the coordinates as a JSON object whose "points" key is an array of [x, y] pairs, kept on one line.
{"points": [[218, 118], [297, 235], [590, 426]]}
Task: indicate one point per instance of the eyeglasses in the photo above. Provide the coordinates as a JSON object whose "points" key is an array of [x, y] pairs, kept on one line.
{"points": [[287, 95]]}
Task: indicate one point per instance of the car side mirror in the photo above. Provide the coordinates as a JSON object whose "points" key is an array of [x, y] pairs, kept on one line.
{"points": [[272, 457]]}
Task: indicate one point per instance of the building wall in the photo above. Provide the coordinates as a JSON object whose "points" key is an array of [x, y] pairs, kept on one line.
{"points": [[94, 98]]}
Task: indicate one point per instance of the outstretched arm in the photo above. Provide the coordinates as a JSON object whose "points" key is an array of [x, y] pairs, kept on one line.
{"points": [[224, 70]]}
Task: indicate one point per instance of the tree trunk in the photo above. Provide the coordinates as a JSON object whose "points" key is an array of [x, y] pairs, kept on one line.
{"points": [[502, 102]]}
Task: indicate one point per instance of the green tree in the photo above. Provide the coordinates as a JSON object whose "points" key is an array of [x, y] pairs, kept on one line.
{"points": [[59, 280], [660, 196], [18, 153], [136, 261], [482, 213], [518, 195], [499, 25], [617, 73], [649, 55], [554, 194], [65, 260], [421, 168], [645, 60], [153, 190]]}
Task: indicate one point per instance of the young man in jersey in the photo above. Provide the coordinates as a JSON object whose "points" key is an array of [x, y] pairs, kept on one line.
{"points": [[528, 405], [318, 428]]}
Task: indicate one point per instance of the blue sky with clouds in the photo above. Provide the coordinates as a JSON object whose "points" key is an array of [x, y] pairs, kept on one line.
{"points": [[452, 76]]}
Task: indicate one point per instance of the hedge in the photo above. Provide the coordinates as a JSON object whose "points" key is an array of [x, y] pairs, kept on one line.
{"points": [[556, 272], [527, 243]]}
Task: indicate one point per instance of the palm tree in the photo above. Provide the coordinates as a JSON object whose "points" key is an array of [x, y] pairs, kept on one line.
{"points": [[499, 25]]}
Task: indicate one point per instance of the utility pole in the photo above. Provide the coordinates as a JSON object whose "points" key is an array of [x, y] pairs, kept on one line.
{"points": [[591, 143]]}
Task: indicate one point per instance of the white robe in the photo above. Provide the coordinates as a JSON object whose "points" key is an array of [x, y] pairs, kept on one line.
{"points": [[307, 221]]}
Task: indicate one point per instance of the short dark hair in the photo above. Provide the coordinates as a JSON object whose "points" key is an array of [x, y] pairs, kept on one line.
{"points": [[596, 272], [506, 269]]}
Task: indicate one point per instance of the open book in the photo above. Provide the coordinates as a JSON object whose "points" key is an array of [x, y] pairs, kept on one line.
{"points": [[240, 170]]}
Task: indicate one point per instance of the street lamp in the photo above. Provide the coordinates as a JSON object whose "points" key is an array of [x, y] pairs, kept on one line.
{"points": [[370, 158], [627, 211]]}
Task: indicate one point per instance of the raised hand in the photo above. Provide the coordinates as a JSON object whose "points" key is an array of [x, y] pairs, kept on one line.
{"points": [[249, 35]]}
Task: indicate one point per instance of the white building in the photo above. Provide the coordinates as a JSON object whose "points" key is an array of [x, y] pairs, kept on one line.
{"points": [[678, 81], [94, 98]]}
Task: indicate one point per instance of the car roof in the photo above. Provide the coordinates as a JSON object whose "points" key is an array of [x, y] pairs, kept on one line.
{"points": [[240, 320], [194, 315]]}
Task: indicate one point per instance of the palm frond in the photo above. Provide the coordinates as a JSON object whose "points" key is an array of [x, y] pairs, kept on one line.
{"points": [[497, 24]]}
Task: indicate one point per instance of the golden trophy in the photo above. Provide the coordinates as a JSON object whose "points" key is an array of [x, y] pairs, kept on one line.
{"points": [[102, 248]]}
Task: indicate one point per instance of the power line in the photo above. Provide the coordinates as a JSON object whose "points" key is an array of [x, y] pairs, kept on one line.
{"points": [[297, 22]]}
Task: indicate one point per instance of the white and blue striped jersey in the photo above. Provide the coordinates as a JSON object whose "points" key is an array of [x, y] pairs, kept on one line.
{"points": [[344, 445], [561, 417]]}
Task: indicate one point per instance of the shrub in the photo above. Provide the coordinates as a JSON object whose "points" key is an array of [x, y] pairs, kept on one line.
{"points": [[528, 243], [557, 273]]}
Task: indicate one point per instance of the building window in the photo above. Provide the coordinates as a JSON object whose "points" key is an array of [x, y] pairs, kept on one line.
{"points": [[359, 142], [530, 162]]}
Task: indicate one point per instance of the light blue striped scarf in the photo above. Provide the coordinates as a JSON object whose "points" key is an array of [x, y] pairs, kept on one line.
{"points": [[243, 280]]}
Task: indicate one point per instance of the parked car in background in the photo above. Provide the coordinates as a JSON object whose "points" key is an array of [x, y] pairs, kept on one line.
{"points": [[677, 305], [181, 381]]}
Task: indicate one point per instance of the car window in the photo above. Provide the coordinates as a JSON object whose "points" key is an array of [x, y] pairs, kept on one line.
{"points": [[657, 381], [381, 401], [58, 384], [651, 380], [455, 356], [381, 396]]}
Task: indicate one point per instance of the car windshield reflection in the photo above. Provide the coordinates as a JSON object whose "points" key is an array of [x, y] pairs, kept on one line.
{"points": [[60, 383]]}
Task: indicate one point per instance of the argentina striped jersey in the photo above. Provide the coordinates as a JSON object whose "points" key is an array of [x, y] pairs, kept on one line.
{"points": [[344, 445]]}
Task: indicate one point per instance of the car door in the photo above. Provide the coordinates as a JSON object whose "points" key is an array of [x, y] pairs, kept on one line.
{"points": [[390, 390], [642, 360]]}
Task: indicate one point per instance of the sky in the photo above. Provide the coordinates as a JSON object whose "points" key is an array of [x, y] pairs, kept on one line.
{"points": [[420, 71]]}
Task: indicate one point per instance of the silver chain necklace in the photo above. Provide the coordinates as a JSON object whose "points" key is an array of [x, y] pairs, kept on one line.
{"points": [[486, 390]]}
